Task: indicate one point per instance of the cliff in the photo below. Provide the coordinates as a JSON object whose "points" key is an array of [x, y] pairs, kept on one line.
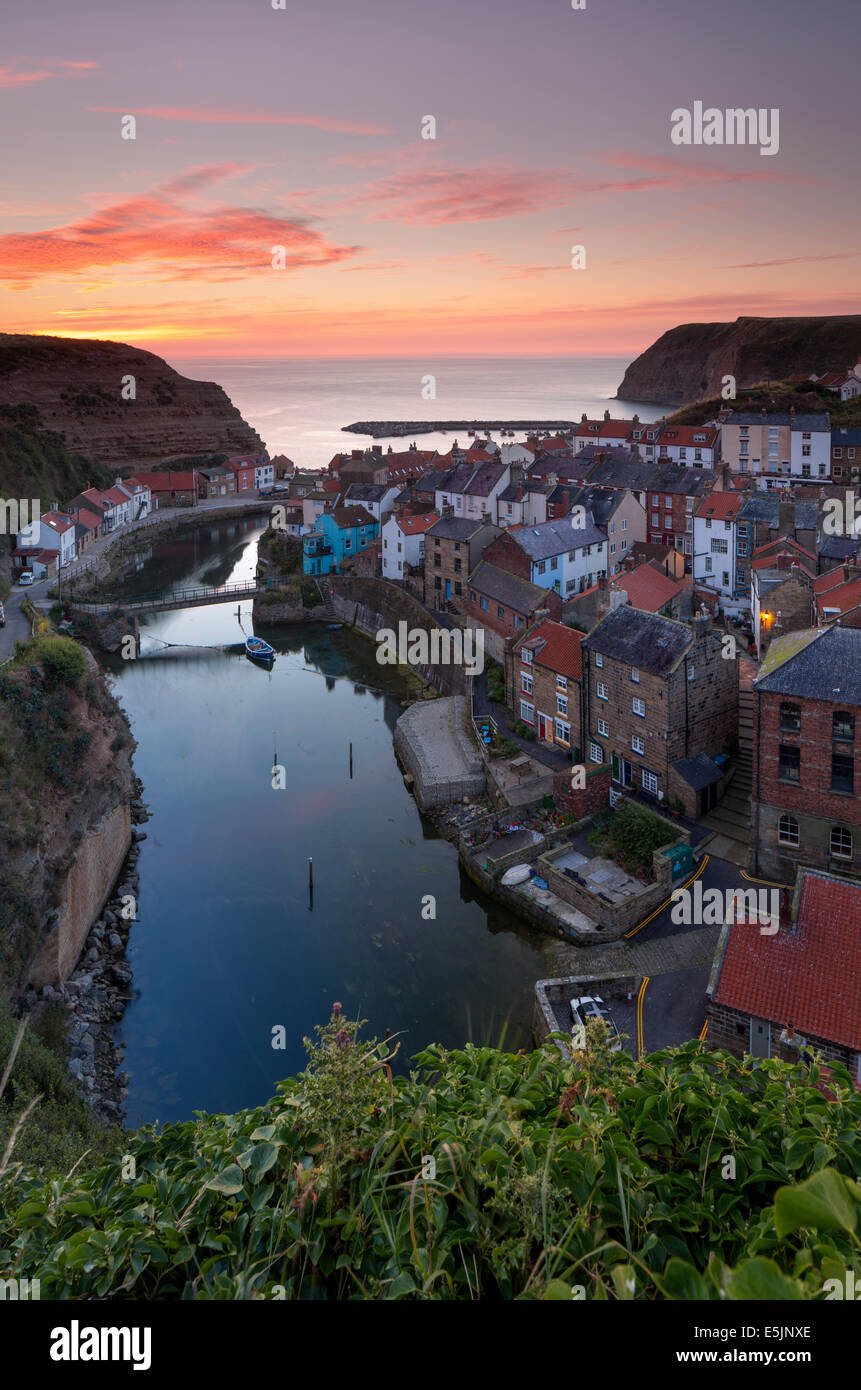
{"points": [[76, 387], [689, 362]]}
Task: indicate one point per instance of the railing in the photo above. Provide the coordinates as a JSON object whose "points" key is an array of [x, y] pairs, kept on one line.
{"points": [[178, 597]]}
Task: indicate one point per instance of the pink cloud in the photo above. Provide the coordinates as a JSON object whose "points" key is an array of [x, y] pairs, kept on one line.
{"points": [[197, 116], [157, 228], [10, 78], [795, 260]]}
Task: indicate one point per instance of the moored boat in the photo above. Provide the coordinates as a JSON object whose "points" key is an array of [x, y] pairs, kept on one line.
{"points": [[259, 650]]}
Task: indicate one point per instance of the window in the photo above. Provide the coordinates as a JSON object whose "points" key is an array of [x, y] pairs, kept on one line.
{"points": [[554, 562], [708, 564], [527, 712], [841, 772], [719, 546], [787, 831], [611, 529], [789, 763], [458, 565], [843, 725], [639, 707], [525, 683], [612, 547], [596, 753], [458, 587], [542, 566], [483, 604], [841, 842], [500, 611], [603, 728], [438, 562], [625, 519], [563, 731], [561, 683], [741, 548], [790, 718], [650, 782], [599, 660], [635, 675], [656, 521], [472, 598], [601, 691], [692, 671], [526, 656], [638, 744], [561, 704]]}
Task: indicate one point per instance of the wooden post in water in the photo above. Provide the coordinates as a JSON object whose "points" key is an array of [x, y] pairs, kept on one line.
{"points": [[351, 762], [310, 884]]}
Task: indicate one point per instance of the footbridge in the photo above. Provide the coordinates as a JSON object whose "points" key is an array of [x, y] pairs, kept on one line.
{"points": [[164, 602]]}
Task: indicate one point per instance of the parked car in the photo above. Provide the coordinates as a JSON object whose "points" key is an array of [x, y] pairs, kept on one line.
{"points": [[590, 1006], [26, 577]]}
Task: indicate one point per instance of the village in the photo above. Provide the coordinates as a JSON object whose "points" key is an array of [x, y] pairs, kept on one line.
{"points": [[669, 624]]}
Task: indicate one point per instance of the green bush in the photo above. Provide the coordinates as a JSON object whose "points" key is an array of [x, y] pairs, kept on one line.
{"points": [[480, 1175], [62, 660], [630, 836]]}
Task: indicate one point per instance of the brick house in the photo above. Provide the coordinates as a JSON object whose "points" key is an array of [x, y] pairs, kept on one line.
{"points": [[218, 481], [799, 990], [543, 680], [838, 595], [453, 547], [766, 517], [805, 746], [658, 694], [504, 605], [674, 494], [845, 455]]}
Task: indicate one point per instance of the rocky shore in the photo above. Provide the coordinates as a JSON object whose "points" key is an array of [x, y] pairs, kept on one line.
{"points": [[96, 994]]}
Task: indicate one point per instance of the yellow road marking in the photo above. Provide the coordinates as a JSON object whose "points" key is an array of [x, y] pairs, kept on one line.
{"points": [[646, 920], [646, 979], [769, 882]]}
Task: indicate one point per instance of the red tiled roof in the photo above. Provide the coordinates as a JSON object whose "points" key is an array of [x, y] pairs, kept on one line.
{"points": [[167, 481], [843, 597], [87, 518], [560, 651], [720, 506], [832, 580], [809, 976], [417, 525], [115, 495], [57, 521], [684, 435], [647, 588], [785, 542], [46, 556]]}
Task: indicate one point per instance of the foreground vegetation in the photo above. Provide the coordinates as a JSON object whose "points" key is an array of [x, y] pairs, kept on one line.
{"points": [[480, 1175]]}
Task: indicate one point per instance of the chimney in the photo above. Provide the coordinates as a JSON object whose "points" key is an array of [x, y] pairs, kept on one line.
{"points": [[583, 418], [785, 918], [635, 422], [618, 599], [606, 414], [701, 623], [786, 518], [764, 413]]}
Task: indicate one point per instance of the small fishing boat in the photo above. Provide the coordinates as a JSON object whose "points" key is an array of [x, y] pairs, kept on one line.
{"points": [[259, 650], [334, 627]]}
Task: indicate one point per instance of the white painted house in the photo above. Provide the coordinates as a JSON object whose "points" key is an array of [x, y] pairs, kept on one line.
{"points": [[810, 446], [562, 555], [404, 542], [715, 548]]}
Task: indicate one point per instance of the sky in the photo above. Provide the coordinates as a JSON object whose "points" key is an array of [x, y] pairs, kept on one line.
{"points": [[303, 128]]}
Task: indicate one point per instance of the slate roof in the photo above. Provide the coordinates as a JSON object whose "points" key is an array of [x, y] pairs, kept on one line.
{"points": [[517, 594], [763, 507], [644, 640], [809, 975], [556, 537], [688, 482], [346, 517], [815, 664], [600, 501], [485, 479], [366, 492], [698, 771], [840, 436], [816, 421], [456, 528], [623, 474], [838, 547]]}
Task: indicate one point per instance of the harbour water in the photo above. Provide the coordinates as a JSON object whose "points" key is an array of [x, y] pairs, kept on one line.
{"points": [[228, 945]]}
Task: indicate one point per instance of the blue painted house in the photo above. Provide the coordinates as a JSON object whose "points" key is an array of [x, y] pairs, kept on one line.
{"points": [[337, 534]]}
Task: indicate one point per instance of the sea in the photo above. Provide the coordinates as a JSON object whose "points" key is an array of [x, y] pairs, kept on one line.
{"points": [[299, 406]]}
